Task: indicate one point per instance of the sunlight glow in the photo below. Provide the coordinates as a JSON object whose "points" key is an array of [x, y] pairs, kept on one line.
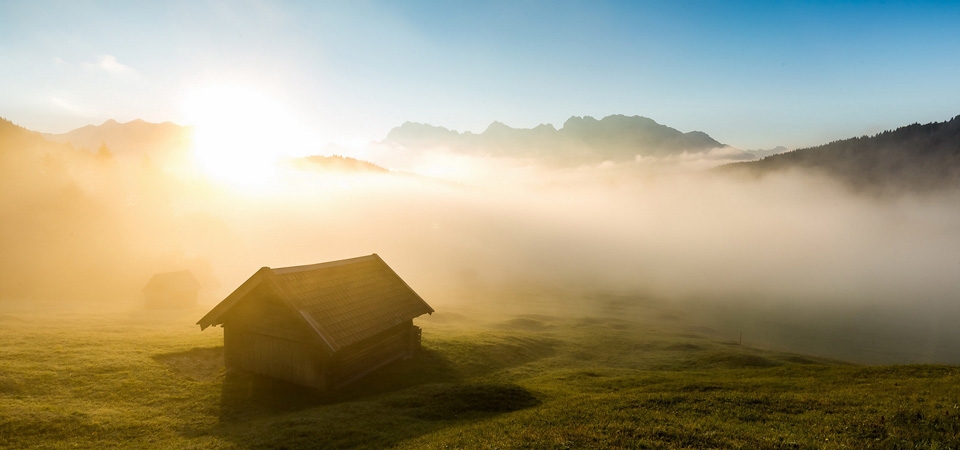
{"points": [[240, 134]]}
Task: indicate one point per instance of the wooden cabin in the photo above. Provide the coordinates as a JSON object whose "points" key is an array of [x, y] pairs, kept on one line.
{"points": [[171, 290], [322, 325]]}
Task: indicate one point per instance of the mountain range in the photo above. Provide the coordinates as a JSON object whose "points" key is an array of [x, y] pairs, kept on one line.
{"points": [[763, 153], [580, 140], [914, 157]]}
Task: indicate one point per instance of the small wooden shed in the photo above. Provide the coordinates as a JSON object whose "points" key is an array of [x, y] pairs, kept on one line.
{"points": [[171, 290], [322, 325]]}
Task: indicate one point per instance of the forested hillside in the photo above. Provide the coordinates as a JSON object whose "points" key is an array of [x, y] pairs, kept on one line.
{"points": [[911, 158]]}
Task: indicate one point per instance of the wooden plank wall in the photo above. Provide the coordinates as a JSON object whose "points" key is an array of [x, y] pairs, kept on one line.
{"points": [[287, 360], [359, 360], [263, 336]]}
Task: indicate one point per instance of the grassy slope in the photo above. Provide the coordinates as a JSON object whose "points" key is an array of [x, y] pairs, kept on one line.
{"points": [[142, 380]]}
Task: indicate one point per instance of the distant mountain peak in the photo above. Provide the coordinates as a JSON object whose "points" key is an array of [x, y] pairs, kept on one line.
{"points": [[496, 127], [422, 133], [581, 139], [763, 153], [574, 121], [545, 127]]}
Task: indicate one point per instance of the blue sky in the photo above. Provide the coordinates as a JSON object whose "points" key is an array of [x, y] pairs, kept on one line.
{"points": [[750, 74]]}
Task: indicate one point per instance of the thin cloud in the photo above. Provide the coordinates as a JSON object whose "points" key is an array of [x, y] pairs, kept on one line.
{"points": [[67, 105], [110, 64]]}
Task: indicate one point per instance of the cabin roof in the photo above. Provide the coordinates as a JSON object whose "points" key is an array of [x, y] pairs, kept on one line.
{"points": [[343, 302], [182, 280]]}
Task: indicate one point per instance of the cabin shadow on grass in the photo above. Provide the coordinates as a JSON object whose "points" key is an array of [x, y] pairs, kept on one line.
{"points": [[246, 395], [402, 401], [444, 384], [447, 401], [383, 422]]}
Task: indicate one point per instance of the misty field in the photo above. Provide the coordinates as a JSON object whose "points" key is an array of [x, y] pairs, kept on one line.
{"points": [[631, 379]]}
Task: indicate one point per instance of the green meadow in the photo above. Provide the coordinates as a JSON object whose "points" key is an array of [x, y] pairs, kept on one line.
{"points": [[634, 379]]}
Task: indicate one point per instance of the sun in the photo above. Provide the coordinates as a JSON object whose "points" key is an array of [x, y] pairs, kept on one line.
{"points": [[240, 134]]}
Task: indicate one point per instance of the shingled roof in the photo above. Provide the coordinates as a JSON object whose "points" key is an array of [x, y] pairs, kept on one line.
{"points": [[343, 301]]}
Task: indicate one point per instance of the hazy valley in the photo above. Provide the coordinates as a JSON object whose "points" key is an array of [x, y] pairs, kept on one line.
{"points": [[588, 280]]}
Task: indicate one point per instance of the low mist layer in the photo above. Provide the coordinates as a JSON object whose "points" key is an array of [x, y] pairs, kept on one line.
{"points": [[792, 259]]}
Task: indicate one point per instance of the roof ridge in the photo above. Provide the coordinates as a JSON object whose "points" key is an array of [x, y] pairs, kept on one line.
{"points": [[308, 267]]}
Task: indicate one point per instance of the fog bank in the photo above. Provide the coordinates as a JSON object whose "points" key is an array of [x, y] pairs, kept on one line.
{"points": [[735, 253]]}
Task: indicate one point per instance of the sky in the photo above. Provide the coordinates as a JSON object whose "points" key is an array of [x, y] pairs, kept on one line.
{"points": [[752, 74]]}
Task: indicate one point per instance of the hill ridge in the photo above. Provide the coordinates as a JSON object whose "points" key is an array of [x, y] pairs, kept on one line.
{"points": [[915, 157]]}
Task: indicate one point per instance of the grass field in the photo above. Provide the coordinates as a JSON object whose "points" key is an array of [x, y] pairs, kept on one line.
{"points": [[641, 379]]}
